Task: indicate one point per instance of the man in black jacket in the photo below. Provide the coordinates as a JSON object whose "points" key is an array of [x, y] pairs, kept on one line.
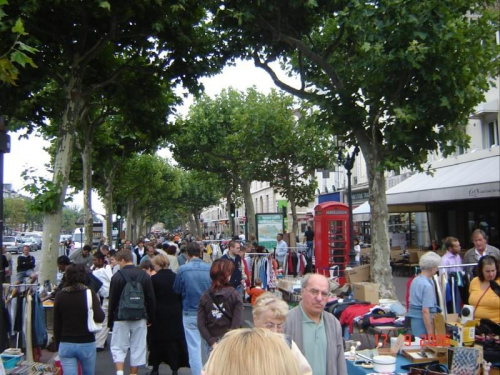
{"points": [[26, 266], [129, 334]]}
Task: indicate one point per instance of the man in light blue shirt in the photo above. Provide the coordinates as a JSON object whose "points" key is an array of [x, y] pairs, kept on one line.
{"points": [[191, 281]]}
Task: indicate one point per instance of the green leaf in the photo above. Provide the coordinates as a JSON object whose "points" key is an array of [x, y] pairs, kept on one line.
{"points": [[22, 59], [2, 14], [25, 47], [105, 5], [19, 28], [365, 47], [3, 2]]}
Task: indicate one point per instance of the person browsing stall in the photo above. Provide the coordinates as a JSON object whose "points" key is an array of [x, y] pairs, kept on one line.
{"points": [[452, 255], [484, 290], [481, 248], [423, 302]]}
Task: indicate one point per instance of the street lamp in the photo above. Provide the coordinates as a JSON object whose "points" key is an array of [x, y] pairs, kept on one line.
{"points": [[4, 149], [348, 163]]}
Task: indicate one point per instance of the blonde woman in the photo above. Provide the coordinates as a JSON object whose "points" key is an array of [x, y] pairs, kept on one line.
{"points": [[269, 312], [261, 352]]}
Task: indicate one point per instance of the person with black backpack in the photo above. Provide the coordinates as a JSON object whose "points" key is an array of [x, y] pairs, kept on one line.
{"points": [[131, 311]]}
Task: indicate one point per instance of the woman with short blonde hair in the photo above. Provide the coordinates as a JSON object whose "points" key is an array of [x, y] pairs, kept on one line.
{"points": [[263, 352], [269, 312], [160, 261]]}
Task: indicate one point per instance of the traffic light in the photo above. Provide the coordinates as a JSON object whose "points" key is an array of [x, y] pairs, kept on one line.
{"points": [[118, 212], [232, 210], [284, 211]]}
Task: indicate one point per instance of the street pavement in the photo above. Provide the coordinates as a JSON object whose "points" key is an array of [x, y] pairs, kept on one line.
{"points": [[105, 366]]}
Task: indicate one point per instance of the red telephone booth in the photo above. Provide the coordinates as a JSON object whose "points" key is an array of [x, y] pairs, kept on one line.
{"points": [[331, 238]]}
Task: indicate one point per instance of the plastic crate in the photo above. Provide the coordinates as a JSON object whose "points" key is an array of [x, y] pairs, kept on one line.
{"points": [[10, 361]]}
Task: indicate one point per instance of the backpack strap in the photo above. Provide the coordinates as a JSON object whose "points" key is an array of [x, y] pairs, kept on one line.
{"points": [[212, 296], [127, 277]]}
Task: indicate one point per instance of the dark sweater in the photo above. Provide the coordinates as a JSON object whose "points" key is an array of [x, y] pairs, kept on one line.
{"points": [[116, 288], [212, 323], [25, 263], [237, 273], [70, 316]]}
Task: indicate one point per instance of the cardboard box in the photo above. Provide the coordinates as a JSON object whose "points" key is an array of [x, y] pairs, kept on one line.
{"points": [[367, 292], [358, 274], [439, 352], [289, 284], [460, 334], [418, 355]]}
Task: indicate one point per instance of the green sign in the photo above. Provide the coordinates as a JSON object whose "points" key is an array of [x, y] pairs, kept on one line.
{"points": [[268, 227]]}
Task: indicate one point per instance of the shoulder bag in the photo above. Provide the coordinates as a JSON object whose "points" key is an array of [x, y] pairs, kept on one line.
{"points": [[92, 326], [217, 303]]}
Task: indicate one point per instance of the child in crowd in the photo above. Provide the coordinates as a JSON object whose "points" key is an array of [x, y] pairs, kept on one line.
{"points": [[256, 291]]}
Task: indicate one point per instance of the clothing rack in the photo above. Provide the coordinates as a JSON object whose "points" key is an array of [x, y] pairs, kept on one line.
{"points": [[260, 254], [459, 265]]}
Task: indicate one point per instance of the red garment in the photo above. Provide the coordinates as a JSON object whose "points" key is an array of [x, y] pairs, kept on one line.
{"points": [[247, 272], [302, 266], [290, 264], [348, 315], [408, 285]]}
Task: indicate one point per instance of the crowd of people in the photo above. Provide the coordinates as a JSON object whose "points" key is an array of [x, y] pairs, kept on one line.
{"points": [[483, 261], [165, 303], [190, 312]]}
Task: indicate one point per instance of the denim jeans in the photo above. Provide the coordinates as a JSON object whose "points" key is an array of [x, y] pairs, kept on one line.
{"points": [[70, 353], [193, 340]]}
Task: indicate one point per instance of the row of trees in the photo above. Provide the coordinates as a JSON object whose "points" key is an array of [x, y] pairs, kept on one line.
{"points": [[248, 136], [397, 77]]}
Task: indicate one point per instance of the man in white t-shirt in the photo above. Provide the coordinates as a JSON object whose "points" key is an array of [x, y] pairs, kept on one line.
{"points": [[281, 250]]}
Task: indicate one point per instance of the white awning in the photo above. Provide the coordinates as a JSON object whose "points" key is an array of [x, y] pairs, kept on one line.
{"points": [[472, 179], [362, 212]]}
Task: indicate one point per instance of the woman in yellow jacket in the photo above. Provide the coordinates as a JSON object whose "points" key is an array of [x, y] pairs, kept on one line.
{"points": [[484, 292]]}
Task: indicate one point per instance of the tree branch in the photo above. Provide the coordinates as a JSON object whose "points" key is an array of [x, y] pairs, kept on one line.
{"points": [[301, 93], [332, 45]]}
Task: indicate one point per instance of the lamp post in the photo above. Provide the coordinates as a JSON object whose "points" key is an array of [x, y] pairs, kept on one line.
{"points": [[4, 149], [348, 163]]}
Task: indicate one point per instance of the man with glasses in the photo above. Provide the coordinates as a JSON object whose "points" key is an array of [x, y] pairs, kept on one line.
{"points": [[318, 334]]}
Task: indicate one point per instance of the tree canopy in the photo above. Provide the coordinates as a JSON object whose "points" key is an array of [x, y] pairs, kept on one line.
{"points": [[399, 78]]}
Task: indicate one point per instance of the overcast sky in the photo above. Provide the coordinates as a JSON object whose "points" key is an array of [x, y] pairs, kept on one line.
{"points": [[29, 153]]}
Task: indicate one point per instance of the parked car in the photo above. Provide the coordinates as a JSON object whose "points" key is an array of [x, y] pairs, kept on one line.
{"points": [[29, 241], [38, 239], [12, 244]]}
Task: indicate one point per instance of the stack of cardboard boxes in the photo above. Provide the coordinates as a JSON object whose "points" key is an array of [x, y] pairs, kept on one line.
{"points": [[362, 288]]}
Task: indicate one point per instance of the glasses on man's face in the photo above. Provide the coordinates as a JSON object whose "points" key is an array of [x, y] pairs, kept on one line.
{"points": [[316, 292], [278, 327]]}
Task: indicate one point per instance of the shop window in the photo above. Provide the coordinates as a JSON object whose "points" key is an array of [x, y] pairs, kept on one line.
{"points": [[491, 134]]}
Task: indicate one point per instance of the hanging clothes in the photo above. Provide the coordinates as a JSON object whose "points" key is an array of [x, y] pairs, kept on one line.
{"points": [[439, 294], [39, 328], [29, 327]]}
